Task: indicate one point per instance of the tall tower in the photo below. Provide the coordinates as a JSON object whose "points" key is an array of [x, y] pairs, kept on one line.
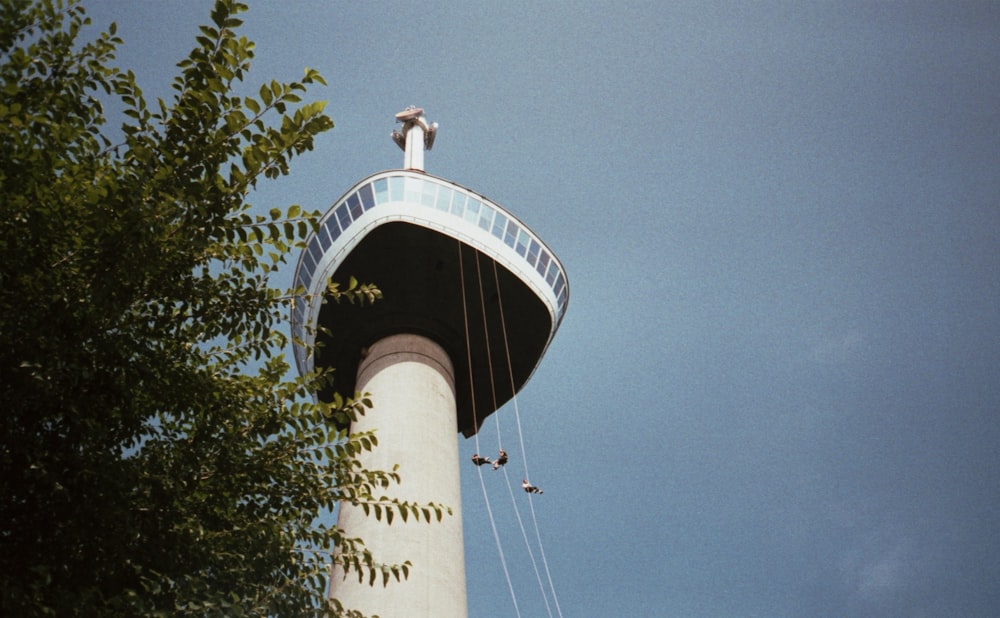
{"points": [[471, 300]]}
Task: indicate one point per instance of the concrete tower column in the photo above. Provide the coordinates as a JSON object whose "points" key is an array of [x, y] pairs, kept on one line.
{"points": [[412, 383]]}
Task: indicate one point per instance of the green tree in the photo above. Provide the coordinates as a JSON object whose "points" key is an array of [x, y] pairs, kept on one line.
{"points": [[155, 458]]}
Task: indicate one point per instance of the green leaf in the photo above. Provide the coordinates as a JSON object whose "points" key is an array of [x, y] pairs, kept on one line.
{"points": [[265, 95]]}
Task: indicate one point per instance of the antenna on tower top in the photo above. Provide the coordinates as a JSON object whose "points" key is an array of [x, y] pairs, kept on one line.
{"points": [[416, 137]]}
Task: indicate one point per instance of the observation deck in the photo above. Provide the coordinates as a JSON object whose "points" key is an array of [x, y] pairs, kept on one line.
{"points": [[416, 237]]}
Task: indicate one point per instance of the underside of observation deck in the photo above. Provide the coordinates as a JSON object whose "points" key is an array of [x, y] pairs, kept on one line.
{"points": [[421, 273]]}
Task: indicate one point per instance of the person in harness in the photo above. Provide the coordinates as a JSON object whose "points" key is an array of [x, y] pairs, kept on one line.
{"points": [[501, 459], [531, 489]]}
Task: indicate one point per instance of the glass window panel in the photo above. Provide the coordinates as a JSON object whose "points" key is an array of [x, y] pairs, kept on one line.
{"points": [[305, 277], [472, 210], [444, 199], [413, 189], [324, 239], [381, 190], [458, 204], [396, 188], [499, 223], [543, 263], [343, 216], [510, 237], [430, 192], [355, 205], [332, 229], [533, 250], [485, 217], [315, 251], [367, 199], [550, 276], [522, 242], [308, 261], [560, 284]]}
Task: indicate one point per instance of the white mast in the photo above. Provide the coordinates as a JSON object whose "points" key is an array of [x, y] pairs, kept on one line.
{"points": [[416, 137]]}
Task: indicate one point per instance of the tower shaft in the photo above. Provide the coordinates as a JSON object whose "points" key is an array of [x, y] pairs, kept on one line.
{"points": [[412, 383]]}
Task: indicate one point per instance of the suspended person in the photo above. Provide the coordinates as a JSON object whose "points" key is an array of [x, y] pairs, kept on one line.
{"points": [[501, 459], [476, 459], [531, 489]]}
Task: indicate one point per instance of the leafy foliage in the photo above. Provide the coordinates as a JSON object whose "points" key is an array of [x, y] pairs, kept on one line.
{"points": [[154, 456]]}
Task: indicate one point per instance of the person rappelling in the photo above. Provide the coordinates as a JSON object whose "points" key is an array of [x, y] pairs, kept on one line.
{"points": [[501, 459], [476, 459], [531, 489]]}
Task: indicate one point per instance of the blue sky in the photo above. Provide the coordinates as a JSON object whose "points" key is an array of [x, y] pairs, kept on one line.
{"points": [[776, 388]]}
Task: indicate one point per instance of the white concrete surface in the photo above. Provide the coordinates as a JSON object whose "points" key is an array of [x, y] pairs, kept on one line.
{"points": [[413, 158], [412, 384]]}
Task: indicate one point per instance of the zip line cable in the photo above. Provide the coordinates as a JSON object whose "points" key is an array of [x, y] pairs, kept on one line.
{"points": [[527, 544], [520, 434], [541, 550], [475, 423], [489, 358], [524, 459]]}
